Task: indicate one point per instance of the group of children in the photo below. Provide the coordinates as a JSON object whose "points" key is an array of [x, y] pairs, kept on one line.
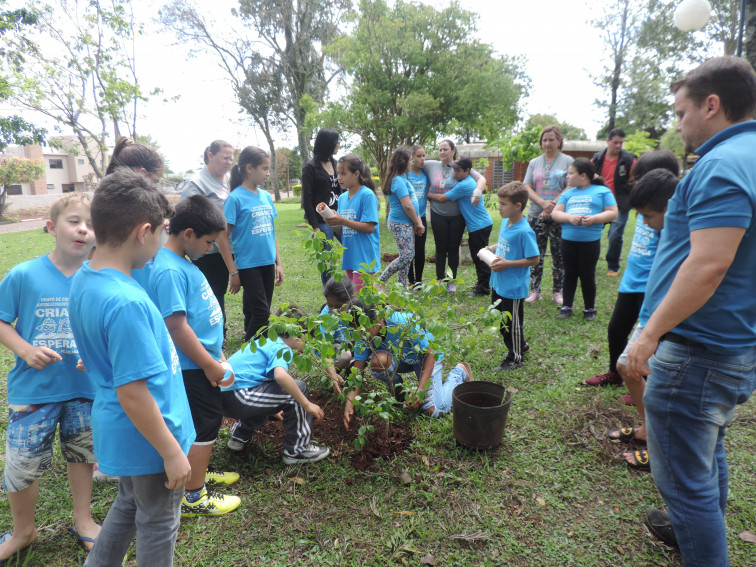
{"points": [[126, 350]]}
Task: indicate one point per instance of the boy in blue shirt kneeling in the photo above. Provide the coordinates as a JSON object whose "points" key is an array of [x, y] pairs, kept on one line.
{"points": [[141, 420], [516, 251], [194, 320], [44, 388], [262, 388]]}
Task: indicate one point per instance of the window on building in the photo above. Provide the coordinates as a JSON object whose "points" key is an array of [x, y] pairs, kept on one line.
{"points": [[14, 190], [500, 177], [68, 187], [51, 187], [80, 161], [56, 164]]}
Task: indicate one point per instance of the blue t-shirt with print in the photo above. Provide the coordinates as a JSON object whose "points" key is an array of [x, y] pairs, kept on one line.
{"points": [[253, 238], [719, 192], [400, 188], [403, 338], [421, 185], [515, 243], [476, 216], [360, 248], [178, 286], [340, 333], [253, 368], [589, 201], [35, 295], [640, 259], [122, 339]]}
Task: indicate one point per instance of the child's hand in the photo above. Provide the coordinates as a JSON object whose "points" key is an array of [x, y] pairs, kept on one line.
{"points": [[414, 402], [499, 264], [336, 380], [234, 284], [348, 413], [419, 229], [279, 274], [178, 470], [334, 220], [315, 411], [215, 373], [576, 220], [80, 365], [586, 220], [39, 357]]}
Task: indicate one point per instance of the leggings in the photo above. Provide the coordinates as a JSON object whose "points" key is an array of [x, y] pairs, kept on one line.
{"points": [[545, 231], [625, 314], [447, 232], [580, 259], [404, 234], [416, 268], [257, 296]]}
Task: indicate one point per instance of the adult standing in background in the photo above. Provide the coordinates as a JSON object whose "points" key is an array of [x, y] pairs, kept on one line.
{"points": [[320, 185], [447, 221], [700, 341], [545, 180], [615, 164], [210, 182]]}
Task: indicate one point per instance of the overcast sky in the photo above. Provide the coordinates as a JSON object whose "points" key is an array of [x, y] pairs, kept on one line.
{"points": [[554, 35]]}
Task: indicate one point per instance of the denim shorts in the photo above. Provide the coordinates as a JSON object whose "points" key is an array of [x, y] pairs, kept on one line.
{"points": [[31, 431]]}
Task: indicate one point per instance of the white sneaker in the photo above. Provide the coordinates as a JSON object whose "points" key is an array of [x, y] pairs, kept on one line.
{"points": [[236, 442], [451, 287], [99, 476], [310, 454], [557, 298], [534, 296]]}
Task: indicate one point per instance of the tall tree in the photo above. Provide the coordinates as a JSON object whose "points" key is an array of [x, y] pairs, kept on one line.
{"points": [[14, 25], [85, 77], [415, 72], [17, 170], [256, 79], [569, 132]]}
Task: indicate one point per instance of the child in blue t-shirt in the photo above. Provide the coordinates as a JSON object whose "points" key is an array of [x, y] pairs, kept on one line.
{"points": [[476, 217], [357, 220], [141, 419], [421, 185], [337, 294], [255, 264], [403, 219], [516, 251], [583, 210], [194, 320], [405, 347], [44, 388], [264, 387]]}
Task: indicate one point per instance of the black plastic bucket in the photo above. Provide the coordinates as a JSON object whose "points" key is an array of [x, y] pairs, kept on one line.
{"points": [[480, 414]]}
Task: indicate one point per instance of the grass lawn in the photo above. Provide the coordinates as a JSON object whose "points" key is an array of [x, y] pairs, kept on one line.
{"points": [[556, 493]]}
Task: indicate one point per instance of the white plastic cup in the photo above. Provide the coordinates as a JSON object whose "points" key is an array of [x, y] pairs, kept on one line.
{"points": [[229, 370], [324, 210], [486, 255]]}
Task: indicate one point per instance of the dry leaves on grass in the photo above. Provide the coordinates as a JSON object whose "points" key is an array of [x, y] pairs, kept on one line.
{"points": [[748, 536], [471, 536]]}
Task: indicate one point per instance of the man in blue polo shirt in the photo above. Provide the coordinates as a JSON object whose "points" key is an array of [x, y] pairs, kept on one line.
{"points": [[700, 341]]}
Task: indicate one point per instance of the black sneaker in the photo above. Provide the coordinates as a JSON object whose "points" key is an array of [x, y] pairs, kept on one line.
{"points": [[659, 525], [564, 312], [477, 292], [589, 314], [507, 365], [310, 454]]}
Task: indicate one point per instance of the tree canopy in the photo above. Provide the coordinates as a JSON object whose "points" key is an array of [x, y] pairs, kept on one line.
{"points": [[415, 72]]}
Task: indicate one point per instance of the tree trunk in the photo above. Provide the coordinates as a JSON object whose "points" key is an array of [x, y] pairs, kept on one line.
{"points": [[749, 37]]}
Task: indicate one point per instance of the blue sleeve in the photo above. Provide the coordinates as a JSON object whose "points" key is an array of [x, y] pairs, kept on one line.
{"points": [[609, 200], [272, 205], [168, 291], [369, 208], [230, 210], [398, 188], [10, 297], [461, 190], [714, 201], [565, 197], [275, 355], [361, 351], [132, 348]]}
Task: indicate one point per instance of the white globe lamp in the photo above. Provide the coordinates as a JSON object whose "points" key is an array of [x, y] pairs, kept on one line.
{"points": [[692, 15]]}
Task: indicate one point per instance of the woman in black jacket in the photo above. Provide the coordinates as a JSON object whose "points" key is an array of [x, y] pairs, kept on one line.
{"points": [[320, 184]]}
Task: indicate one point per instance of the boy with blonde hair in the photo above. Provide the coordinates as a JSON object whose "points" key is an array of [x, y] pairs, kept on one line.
{"points": [[44, 388]]}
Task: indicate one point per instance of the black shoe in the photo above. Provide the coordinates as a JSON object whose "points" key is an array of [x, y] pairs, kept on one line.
{"points": [[659, 525], [477, 292], [564, 312], [525, 348], [589, 314], [507, 365]]}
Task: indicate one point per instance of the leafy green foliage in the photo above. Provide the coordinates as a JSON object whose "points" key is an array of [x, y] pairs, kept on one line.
{"points": [[569, 132], [520, 146], [639, 142], [415, 72], [18, 170]]}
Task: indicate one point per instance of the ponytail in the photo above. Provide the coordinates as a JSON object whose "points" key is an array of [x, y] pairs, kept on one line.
{"points": [[585, 166], [134, 155], [398, 165], [250, 155]]}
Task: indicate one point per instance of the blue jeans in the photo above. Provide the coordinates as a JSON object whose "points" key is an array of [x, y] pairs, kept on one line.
{"points": [[690, 399], [330, 235], [440, 392], [616, 231]]}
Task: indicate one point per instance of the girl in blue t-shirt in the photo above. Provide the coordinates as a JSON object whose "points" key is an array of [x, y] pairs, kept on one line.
{"points": [[357, 220], [403, 217], [583, 209], [421, 185], [255, 263]]}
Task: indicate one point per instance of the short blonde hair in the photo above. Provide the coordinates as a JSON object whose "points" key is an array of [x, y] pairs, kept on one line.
{"points": [[66, 200]]}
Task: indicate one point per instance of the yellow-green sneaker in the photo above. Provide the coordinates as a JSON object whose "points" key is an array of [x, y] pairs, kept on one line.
{"points": [[210, 503], [217, 478]]}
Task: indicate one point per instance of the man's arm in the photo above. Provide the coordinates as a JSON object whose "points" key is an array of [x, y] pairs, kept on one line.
{"points": [[712, 251]]}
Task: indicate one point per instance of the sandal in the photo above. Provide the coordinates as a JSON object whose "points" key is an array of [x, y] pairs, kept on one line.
{"points": [[641, 460], [82, 540], [626, 435]]}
